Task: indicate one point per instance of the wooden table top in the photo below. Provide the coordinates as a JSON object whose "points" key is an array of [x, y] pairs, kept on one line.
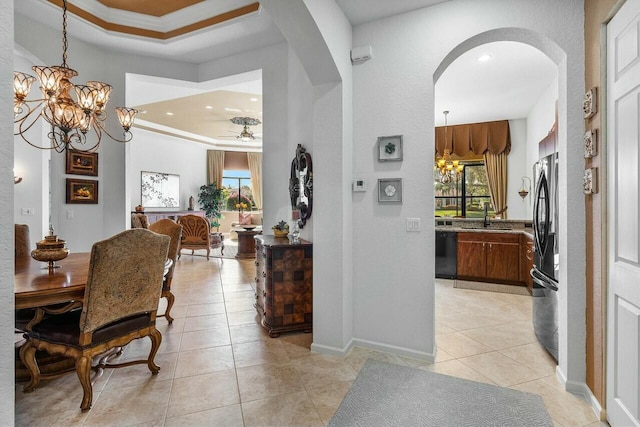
{"points": [[35, 287]]}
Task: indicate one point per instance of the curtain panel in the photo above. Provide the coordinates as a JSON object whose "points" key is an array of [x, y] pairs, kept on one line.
{"points": [[474, 138], [215, 167], [496, 167], [255, 170]]}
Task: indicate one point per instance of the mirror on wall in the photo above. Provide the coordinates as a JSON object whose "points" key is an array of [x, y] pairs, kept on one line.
{"points": [[301, 185]]}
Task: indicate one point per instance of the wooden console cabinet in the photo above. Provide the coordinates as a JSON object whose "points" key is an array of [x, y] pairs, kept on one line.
{"points": [[174, 215], [284, 284], [493, 257]]}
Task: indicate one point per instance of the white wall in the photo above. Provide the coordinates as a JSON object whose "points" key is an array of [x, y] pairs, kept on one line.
{"points": [[155, 152], [519, 208], [393, 94], [7, 352], [540, 121]]}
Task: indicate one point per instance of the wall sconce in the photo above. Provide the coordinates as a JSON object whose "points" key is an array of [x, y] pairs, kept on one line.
{"points": [[525, 187]]}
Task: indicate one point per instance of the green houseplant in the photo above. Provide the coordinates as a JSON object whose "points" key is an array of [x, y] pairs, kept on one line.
{"points": [[211, 198]]}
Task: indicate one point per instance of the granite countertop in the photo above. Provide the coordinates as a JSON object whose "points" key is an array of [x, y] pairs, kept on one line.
{"points": [[476, 225]]}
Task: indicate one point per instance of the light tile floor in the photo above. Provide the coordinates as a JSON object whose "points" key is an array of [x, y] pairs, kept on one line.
{"points": [[220, 368]]}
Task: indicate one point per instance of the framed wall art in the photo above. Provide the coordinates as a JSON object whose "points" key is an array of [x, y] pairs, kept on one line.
{"points": [[390, 148], [590, 143], [160, 190], [390, 190], [81, 163], [82, 191]]}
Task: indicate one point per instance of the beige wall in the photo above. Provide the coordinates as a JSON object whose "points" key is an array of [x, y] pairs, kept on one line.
{"points": [[597, 13]]}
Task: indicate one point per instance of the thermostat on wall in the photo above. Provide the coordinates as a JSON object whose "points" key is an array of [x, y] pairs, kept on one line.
{"points": [[359, 184]]}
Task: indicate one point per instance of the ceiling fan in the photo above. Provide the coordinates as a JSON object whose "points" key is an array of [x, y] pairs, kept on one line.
{"points": [[245, 122]]}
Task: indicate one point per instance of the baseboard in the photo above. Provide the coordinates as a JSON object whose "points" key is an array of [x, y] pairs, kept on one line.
{"points": [[583, 390], [332, 351], [391, 349]]}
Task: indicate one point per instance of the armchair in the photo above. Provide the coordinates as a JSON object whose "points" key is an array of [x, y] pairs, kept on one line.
{"points": [[174, 231], [195, 234], [120, 302]]}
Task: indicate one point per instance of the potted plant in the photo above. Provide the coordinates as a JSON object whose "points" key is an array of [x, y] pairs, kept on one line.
{"points": [[281, 229], [210, 198]]}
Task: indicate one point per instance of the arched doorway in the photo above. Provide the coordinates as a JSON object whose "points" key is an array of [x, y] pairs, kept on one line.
{"points": [[571, 296]]}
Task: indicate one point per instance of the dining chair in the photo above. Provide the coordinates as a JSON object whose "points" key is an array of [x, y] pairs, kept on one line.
{"points": [[195, 234], [121, 298], [174, 231], [139, 220], [22, 240]]}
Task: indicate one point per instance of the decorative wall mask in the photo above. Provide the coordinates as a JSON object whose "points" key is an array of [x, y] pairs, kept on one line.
{"points": [[301, 185]]}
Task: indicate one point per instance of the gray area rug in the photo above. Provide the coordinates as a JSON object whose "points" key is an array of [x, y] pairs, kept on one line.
{"points": [[392, 395]]}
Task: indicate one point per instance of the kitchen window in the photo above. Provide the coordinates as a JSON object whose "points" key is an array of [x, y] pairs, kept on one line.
{"points": [[466, 196]]}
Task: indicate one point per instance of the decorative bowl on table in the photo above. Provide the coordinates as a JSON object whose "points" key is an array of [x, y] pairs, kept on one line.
{"points": [[249, 227], [50, 250]]}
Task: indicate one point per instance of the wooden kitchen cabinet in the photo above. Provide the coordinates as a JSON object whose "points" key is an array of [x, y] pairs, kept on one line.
{"points": [[284, 284], [526, 260], [486, 256]]}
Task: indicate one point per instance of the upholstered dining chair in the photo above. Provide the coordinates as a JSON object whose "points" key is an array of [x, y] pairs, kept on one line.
{"points": [[168, 228], [195, 234], [22, 241], [120, 303], [139, 220]]}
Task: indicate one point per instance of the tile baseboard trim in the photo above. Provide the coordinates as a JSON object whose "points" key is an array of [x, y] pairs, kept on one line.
{"points": [[399, 351], [332, 351]]}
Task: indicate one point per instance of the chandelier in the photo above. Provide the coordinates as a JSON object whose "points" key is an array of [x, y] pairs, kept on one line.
{"points": [[447, 168], [246, 134], [70, 119]]}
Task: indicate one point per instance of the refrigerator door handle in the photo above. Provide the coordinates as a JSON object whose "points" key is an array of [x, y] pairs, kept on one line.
{"points": [[542, 280]]}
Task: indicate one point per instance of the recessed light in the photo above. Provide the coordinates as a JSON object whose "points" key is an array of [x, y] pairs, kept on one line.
{"points": [[235, 110], [253, 99], [169, 113], [208, 107], [484, 58]]}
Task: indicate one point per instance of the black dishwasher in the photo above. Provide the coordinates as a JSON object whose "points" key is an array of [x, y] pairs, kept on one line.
{"points": [[446, 254]]}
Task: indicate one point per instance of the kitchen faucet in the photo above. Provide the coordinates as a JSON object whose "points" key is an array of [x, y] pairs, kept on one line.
{"points": [[486, 210]]}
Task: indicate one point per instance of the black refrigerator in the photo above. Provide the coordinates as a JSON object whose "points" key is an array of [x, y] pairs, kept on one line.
{"points": [[546, 265]]}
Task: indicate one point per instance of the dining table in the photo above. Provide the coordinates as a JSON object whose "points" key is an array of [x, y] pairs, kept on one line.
{"points": [[35, 286]]}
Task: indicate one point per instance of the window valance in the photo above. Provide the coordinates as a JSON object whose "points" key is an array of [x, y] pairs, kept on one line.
{"points": [[476, 138]]}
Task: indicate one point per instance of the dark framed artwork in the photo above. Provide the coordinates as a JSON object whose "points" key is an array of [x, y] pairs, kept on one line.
{"points": [[82, 191], [81, 163]]}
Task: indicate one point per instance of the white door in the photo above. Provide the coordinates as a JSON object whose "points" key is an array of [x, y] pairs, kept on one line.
{"points": [[623, 154]]}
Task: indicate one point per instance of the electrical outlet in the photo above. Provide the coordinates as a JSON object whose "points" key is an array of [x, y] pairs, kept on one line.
{"points": [[413, 224], [69, 214]]}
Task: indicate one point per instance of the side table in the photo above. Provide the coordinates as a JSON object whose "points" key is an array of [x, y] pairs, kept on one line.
{"points": [[246, 244]]}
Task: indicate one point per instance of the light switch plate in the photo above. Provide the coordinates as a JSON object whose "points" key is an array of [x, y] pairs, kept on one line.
{"points": [[413, 224]]}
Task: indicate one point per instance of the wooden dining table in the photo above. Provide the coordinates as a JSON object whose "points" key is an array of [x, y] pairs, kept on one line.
{"points": [[35, 287]]}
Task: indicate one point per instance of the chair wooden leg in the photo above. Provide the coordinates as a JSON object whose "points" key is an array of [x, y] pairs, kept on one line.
{"points": [[208, 250], [83, 370], [156, 340], [28, 358], [170, 300]]}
